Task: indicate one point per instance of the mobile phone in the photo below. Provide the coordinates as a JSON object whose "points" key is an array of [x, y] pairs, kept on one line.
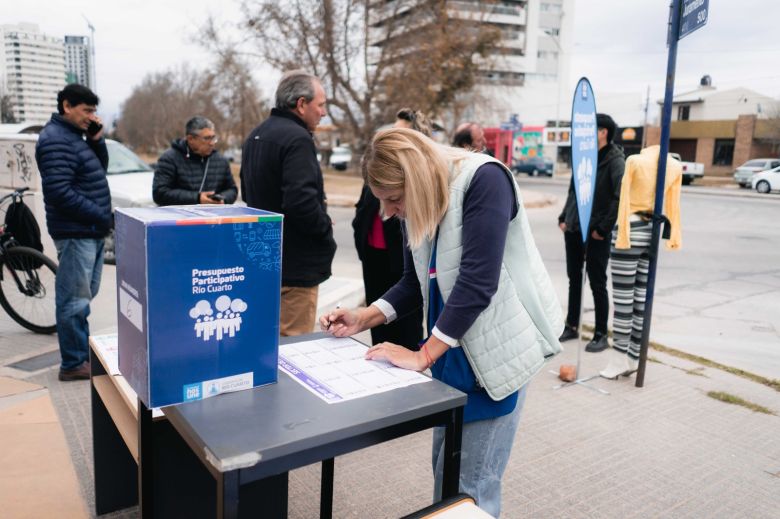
{"points": [[94, 128], [217, 197]]}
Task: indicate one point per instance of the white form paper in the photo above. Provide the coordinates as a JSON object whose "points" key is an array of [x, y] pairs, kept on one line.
{"points": [[336, 369]]}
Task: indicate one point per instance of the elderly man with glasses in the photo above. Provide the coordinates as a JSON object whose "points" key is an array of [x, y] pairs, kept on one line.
{"points": [[192, 171]]}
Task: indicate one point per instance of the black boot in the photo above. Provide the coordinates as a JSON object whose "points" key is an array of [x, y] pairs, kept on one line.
{"points": [[599, 343], [569, 333]]}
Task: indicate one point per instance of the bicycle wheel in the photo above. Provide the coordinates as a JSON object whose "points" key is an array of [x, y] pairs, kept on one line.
{"points": [[27, 288]]}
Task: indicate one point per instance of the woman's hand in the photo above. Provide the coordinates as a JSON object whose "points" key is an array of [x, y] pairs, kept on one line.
{"points": [[341, 322], [398, 356]]}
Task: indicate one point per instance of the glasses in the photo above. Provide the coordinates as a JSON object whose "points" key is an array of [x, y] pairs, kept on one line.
{"points": [[406, 114], [207, 138]]}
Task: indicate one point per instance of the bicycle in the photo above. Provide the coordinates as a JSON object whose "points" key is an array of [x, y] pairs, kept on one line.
{"points": [[27, 279]]}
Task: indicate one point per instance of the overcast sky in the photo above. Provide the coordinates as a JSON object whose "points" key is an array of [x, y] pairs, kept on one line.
{"points": [[620, 46]]}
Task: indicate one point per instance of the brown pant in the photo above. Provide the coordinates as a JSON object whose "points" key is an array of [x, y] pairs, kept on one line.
{"points": [[299, 310]]}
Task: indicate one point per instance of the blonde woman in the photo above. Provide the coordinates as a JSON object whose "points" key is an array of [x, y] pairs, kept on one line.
{"points": [[471, 262]]}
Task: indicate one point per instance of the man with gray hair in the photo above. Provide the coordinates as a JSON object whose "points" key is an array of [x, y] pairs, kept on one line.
{"points": [[192, 171], [280, 173]]}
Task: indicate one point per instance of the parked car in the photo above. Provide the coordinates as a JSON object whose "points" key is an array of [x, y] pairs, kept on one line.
{"points": [[743, 173], [691, 170], [534, 166], [129, 177], [766, 181], [340, 158]]}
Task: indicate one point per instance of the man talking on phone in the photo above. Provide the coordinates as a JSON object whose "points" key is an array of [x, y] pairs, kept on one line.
{"points": [[72, 158], [192, 171]]}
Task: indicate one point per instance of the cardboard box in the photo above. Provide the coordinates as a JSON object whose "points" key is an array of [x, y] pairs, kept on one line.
{"points": [[198, 292]]}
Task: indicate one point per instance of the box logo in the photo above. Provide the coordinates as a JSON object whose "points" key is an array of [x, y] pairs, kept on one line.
{"points": [[227, 320], [192, 392]]}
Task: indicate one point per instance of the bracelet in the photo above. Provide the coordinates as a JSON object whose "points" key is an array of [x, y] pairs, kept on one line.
{"points": [[427, 356]]}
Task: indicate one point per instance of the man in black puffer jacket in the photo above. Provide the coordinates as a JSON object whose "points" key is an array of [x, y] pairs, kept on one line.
{"points": [[78, 216], [191, 171], [606, 197], [280, 173]]}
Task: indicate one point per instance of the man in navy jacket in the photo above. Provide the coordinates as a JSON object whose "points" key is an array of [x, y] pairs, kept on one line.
{"points": [[280, 173], [72, 158]]}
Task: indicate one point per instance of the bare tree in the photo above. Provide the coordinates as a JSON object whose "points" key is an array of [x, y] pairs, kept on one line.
{"points": [[158, 108], [373, 56], [6, 110], [6, 106], [237, 94]]}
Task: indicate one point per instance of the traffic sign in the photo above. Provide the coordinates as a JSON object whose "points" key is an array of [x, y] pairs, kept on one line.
{"points": [[693, 16]]}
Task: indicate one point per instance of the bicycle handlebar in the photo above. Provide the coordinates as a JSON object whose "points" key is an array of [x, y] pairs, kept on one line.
{"points": [[17, 193]]}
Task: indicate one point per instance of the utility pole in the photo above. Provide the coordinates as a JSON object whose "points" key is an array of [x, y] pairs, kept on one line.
{"points": [[554, 39]]}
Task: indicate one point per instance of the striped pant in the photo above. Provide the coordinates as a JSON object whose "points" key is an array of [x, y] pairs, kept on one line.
{"points": [[629, 288]]}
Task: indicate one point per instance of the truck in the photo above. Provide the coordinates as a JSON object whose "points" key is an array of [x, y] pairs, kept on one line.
{"points": [[691, 170]]}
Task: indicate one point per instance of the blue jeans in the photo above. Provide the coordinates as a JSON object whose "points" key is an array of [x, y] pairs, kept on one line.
{"points": [[485, 450], [77, 282]]}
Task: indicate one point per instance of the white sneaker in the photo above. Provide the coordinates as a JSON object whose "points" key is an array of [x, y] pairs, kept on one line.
{"points": [[618, 365]]}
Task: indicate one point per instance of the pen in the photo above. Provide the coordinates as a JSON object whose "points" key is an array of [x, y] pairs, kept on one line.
{"points": [[338, 305]]}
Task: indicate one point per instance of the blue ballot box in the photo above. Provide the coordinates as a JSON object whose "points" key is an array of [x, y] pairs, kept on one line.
{"points": [[198, 300]]}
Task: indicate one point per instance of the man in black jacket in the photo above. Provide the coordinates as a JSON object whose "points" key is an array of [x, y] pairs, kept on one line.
{"points": [[595, 252], [280, 173], [191, 171]]}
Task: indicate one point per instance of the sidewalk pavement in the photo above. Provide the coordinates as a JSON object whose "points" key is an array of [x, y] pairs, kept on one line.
{"points": [[665, 450]]}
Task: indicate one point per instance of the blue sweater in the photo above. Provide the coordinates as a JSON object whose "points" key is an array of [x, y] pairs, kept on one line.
{"points": [[73, 175], [488, 207]]}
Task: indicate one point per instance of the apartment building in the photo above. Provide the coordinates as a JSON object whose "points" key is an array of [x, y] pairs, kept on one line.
{"points": [[527, 75], [32, 71], [77, 61]]}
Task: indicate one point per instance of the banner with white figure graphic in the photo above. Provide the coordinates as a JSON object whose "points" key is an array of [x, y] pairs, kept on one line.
{"points": [[584, 151], [199, 291]]}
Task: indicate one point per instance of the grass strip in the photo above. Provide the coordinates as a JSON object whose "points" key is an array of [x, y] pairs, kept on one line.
{"points": [[769, 382], [735, 400]]}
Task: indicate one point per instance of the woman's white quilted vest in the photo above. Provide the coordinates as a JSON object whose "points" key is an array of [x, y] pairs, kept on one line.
{"points": [[511, 338]]}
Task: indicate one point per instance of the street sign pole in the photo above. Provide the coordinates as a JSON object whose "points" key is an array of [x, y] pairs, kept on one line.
{"points": [[666, 118]]}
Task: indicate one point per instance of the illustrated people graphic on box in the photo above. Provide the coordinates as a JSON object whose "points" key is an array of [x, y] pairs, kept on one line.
{"points": [[226, 321]]}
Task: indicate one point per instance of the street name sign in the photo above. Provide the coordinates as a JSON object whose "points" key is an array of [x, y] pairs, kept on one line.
{"points": [[693, 16]]}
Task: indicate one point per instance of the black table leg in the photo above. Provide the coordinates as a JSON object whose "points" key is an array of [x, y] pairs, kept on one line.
{"points": [[146, 467], [326, 489], [116, 474], [227, 495], [453, 433]]}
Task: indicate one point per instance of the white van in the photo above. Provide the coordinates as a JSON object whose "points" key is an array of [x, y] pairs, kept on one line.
{"points": [[129, 177]]}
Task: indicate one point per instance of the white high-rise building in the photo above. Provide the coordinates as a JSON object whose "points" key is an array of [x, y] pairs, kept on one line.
{"points": [[32, 71], [528, 76], [77, 61]]}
